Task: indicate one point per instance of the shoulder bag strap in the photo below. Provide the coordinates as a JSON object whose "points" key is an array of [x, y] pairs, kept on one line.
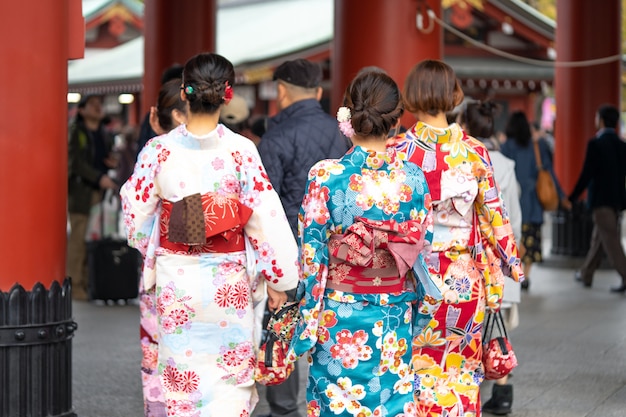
{"points": [[537, 155]]}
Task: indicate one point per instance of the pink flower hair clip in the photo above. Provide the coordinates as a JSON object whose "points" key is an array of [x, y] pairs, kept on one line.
{"points": [[345, 125]]}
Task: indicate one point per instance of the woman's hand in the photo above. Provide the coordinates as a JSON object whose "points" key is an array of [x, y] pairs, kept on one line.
{"points": [[275, 299]]}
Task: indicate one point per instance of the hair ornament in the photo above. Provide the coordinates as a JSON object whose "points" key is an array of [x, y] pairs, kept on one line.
{"points": [[228, 93], [189, 90], [345, 125]]}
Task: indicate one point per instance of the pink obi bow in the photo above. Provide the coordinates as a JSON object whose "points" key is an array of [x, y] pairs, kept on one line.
{"points": [[358, 245]]}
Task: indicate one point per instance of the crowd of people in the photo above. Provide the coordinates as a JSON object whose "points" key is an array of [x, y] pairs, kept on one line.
{"points": [[396, 242]]}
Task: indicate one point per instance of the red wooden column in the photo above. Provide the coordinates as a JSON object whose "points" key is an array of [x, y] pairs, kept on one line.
{"points": [[584, 31], [36, 324], [375, 32], [174, 31]]}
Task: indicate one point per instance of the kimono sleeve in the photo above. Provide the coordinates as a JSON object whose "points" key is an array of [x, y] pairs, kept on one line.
{"points": [[496, 234], [141, 196], [268, 231], [314, 233]]}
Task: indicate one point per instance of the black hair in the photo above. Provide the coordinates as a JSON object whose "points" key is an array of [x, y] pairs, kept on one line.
{"points": [[478, 118], [518, 128], [169, 100], [375, 103], [170, 73], [609, 115], [205, 78]]}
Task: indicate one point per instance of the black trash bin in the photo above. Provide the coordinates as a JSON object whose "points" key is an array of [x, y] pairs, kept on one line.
{"points": [[571, 231]]}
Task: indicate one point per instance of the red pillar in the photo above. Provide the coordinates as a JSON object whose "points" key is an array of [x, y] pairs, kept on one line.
{"points": [[36, 324], [584, 31], [374, 32], [33, 137], [174, 31]]}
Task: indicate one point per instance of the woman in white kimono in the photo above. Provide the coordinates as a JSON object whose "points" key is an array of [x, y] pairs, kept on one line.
{"points": [[200, 208]]}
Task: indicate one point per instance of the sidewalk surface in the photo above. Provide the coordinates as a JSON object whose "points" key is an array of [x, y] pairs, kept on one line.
{"points": [[571, 346]]}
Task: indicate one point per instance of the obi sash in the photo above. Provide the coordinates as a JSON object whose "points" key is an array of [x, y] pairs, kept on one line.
{"points": [[220, 219], [374, 256]]}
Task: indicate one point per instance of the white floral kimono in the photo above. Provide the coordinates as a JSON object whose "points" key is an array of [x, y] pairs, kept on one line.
{"points": [[202, 295]]}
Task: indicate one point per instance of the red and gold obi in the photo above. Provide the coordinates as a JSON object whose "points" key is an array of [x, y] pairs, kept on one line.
{"points": [[374, 256], [203, 223]]}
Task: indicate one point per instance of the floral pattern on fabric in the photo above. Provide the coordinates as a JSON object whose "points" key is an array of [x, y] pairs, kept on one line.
{"points": [[472, 243], [197, 308], [359, 343]]}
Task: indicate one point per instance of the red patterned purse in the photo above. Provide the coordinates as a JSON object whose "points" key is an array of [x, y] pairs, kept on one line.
{"points": [[272, 368], [498, 356]]}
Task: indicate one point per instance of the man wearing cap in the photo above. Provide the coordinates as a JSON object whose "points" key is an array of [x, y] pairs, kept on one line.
{"points": [[296, 138]]}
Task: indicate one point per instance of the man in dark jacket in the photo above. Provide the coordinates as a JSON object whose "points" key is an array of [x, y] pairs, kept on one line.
{"points": [[296, 138], [89, 160], [604, 176]]}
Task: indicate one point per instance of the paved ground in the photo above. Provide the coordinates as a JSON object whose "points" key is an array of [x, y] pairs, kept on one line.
{"points": [[571, 344]]}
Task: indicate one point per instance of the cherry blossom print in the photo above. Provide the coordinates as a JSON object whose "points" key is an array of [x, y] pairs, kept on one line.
{"points": [[345, 396], [237, 158], [314, 204], [250, 160], [163, 156], [266, 252], [252, 199], [351, 348], [217, 164]]}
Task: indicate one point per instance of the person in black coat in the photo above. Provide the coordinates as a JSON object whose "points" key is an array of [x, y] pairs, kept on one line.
{"points": [[604, 177], [296, 138]]}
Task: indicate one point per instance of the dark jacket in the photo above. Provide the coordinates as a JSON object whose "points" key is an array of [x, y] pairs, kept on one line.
{"points": [[296, 139], [526, 171], [85, 165], [604, 172]]}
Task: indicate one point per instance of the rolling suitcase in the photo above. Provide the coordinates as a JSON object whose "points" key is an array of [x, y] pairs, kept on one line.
{"points": [[113, 267]]}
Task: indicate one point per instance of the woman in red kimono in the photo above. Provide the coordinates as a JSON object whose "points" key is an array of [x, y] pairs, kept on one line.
{"points": [[472, 242]]}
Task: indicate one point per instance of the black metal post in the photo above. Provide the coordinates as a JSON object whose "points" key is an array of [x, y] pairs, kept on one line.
{"points": [[36, 330]]}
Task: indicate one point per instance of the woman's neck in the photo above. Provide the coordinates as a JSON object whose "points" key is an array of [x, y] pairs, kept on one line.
{"points": [[374, 143], [201, 124], [439, 120]]}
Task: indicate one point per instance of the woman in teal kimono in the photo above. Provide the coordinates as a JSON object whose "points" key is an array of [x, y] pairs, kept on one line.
{"points": [[362, 227]]}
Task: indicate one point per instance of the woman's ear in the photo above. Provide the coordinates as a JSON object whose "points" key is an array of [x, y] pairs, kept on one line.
{"points": [[178, 117]]}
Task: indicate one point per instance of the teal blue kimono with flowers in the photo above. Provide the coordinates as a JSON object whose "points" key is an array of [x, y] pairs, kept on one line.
{"points": [[359, 340]]}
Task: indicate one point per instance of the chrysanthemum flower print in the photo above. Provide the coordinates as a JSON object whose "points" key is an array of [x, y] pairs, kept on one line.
{"points": [[351, 348], [429, 337], [343, 396], [230, 184], [181, 408]]}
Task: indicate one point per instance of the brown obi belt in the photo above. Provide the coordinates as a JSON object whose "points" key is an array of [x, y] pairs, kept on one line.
{"points": [[373, 257], [204, 223]]}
